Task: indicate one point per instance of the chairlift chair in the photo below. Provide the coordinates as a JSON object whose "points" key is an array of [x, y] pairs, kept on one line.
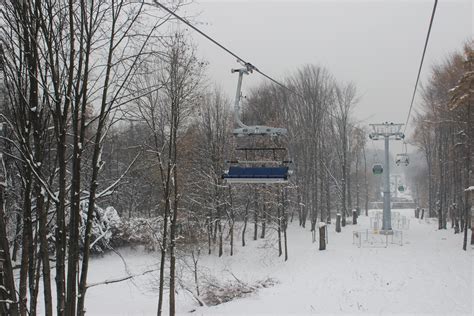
{"points": [[257, 175], [259, 170], [402, 159]]}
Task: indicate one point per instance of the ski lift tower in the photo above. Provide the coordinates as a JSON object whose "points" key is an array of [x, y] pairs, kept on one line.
{"points": [[387, 131]]}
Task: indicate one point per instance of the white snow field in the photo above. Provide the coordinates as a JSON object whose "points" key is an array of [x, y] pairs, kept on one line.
{"points": [[428, 275]]}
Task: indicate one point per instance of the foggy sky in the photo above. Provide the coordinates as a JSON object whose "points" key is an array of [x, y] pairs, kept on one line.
{"points": [[375, 44]]}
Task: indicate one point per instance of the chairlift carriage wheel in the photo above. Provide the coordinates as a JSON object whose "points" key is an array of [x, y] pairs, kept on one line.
{"points": [[264, 160]]}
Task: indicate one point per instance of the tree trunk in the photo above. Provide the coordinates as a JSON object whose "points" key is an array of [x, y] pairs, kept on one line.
{"points": [[172, 251], [338, 223], [322, 236], [60, 232], [16, 242], [285, 224], [357, 185], [366, 181], [300, 209], [209, 232], [344, 178], [255, 217], [246, 217], [328, 199], [26, 245], [232, 223], [279, 225], [469, 151], [164, 244], [33, 273], [43, 231], [221, 251], [322, 196], [264, 216], [6, 270], [74, 221], [430, 189]]}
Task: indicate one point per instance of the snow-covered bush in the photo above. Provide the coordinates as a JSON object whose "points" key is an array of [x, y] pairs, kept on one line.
{"points": [[105, 225], [215, 293], [139, 231]]}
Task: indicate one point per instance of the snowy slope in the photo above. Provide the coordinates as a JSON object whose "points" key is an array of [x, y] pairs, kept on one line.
{"points": [[429, 274]]}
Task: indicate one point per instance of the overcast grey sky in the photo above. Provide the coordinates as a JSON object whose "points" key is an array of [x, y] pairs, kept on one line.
{"points": [[375, 44]]}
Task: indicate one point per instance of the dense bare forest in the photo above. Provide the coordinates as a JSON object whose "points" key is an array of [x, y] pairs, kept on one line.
{"points": [[444, 136], [112, 137]]}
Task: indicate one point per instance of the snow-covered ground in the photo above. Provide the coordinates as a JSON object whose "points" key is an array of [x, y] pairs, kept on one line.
{"points": [[429, 274]]}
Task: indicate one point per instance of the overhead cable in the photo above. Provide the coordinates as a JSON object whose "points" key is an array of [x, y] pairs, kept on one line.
{"points": [[239, 59], [421, 65]]}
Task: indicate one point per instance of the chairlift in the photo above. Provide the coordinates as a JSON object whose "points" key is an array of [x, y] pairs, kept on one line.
{"points": [[402, 159], [377, 169], [257, 167]]}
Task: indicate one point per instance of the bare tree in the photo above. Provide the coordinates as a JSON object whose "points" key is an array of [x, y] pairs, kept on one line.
{"points": [[444, 134], [56, 72], [346, 100]]}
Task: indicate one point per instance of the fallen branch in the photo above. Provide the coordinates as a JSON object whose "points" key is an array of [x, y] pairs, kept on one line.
{"points": [[200, 302], [242, 283], [117, 280]]}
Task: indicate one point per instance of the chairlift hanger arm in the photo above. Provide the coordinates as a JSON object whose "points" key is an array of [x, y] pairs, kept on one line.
{"points": [[238, 95], [243, 129]]}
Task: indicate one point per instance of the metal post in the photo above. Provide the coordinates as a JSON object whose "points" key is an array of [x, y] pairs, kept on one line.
{"points": [[387, 221]]}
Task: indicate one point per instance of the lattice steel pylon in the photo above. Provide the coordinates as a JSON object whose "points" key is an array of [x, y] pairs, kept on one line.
{"points": [[387, 131]]}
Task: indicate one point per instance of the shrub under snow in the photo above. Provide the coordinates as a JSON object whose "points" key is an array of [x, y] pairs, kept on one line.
{"points": [[215, 293], [139, 231], [105, 225]]}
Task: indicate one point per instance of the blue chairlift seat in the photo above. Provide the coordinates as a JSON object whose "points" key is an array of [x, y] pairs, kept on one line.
{"points": [[256, 175]]}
